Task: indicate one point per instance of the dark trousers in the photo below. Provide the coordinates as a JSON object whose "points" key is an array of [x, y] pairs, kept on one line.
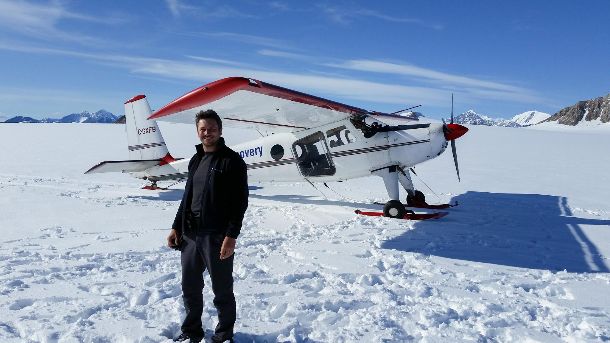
{"points": [[199, 253]]}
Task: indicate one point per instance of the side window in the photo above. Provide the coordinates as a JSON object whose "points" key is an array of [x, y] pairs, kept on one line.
{"points": [[313, 157]]}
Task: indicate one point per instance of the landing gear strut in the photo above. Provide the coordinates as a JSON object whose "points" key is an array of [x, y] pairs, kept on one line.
{"points": [[393, 208], [416, 199], [392, 176]]}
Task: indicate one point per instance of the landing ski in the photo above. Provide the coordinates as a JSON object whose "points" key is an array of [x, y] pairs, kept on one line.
{"points": [[432, 207], [408, 216], [427, 206]]}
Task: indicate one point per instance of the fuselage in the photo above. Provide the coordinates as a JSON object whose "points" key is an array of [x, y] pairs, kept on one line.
{"points": [[332, 152]]}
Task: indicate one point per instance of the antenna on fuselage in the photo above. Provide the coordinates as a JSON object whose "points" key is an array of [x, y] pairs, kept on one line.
{"points": [[406, 109]]}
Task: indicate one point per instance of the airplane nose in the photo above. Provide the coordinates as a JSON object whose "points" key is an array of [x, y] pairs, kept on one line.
{"points": [[454, 131]]}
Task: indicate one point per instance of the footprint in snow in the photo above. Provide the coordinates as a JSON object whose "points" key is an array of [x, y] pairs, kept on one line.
{"points": [[292, 278], [8, 331], [140, 299], [278, 311], [161, 279], [16, 285], [21, 304]]}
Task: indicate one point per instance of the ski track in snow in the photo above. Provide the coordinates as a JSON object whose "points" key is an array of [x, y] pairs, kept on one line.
{"points": [[93, 268]]}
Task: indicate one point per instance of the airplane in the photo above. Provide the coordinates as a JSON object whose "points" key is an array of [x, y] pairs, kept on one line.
{"points": [[306, 138]]}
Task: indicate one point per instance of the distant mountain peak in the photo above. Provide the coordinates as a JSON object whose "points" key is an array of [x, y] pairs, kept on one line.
{"points": [[471, 117], [528, 118], [101, 116], [22, 119]]}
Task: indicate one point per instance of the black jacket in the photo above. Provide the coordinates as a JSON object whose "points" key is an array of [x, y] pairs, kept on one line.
{"points": [[228, 191]]}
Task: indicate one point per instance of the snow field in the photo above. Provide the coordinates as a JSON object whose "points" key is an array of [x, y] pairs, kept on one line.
{"points": [[83, 257]]}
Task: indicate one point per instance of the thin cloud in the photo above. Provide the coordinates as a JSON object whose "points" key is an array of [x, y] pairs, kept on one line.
{"points": [[335, 87], [277, 5], [294, 7], [375, 14], [347, 88], [227, 12], [475, 87], [348, 15], [245, 38], [41, 20], [424, 73], [284, 54], [218, 61], [175, 7], [178, 8]]}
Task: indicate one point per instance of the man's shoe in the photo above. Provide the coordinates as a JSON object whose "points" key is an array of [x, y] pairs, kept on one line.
{"points": [[221, 338], [192, 339]]}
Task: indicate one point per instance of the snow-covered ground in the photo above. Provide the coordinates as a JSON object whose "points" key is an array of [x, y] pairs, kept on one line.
{"points": [[583, 127], [524, 257]]}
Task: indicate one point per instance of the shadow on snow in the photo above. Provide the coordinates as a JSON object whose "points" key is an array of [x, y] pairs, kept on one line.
{"points": [[521, 230], [163, 195], [171, 194], [313, 200]]}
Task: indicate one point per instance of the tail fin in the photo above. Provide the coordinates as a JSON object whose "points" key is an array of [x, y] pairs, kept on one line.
{"points": [[143, 135], [147, 148]]}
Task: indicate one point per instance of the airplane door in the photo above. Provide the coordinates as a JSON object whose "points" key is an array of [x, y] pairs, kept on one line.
{"points": [[313, 157]]}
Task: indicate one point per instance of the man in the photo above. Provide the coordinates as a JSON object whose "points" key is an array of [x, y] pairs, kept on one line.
{"points": [[206, 227]]}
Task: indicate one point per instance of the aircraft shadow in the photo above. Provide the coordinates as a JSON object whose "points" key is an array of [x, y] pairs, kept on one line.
{"points": [[164, 195], [314, 200], [521, 230], [172, 194]]}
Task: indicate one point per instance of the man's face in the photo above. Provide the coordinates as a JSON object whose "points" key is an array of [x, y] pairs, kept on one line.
{"points": [[208, 131]]}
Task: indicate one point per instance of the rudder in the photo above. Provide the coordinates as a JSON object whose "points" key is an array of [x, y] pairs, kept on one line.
{"points": [[144, 138]]}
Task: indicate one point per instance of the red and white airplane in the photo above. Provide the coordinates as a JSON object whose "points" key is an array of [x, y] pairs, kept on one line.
{"points": [[308, 138]]}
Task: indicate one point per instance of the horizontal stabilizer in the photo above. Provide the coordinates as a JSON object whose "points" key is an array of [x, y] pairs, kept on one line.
{"points": [[127, 166]]}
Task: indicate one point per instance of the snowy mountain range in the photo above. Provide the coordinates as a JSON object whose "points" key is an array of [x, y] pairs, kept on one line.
{"points": [[101, 116], [592, 112], [470, 117], [584, 113]]}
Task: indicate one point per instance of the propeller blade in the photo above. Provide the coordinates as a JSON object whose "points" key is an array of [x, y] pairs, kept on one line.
{"points": [[451, 108], [455, 161]]}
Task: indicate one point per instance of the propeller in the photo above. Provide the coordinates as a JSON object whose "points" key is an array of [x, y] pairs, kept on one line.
{"points": [[452, 132], [451, 108]]}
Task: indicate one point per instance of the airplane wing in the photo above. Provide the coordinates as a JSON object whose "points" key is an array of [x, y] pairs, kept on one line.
{"points": [[249, 103]]}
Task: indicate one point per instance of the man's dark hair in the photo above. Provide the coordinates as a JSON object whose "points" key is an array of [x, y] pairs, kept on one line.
{"points": [[208, 114]]}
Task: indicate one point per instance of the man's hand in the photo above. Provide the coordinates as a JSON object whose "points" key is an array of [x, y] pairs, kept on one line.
{"points": [[228, 247], [173, 240]]}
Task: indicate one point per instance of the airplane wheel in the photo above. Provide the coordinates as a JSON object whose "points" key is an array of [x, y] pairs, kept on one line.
{"points": [[416, 199], [394, 209]]}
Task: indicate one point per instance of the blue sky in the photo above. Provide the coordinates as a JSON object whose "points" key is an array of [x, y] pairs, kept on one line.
{"points": [[498, 57]]}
